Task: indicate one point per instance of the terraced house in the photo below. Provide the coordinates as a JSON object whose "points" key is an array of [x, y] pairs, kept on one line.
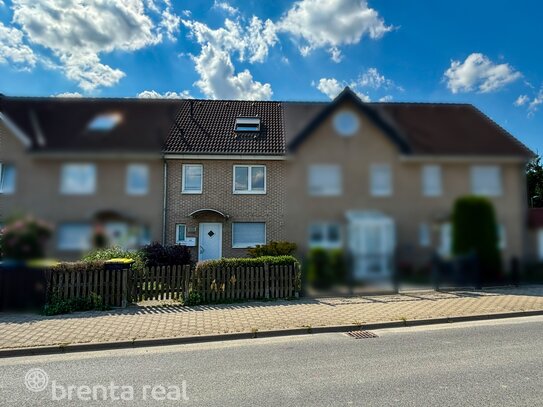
{"points": [[376, 179]]}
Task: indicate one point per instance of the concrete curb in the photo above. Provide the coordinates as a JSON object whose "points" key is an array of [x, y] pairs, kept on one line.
{"points": [[140, 343]]}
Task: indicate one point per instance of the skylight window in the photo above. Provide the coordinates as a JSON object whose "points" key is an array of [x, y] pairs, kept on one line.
{"points": [[105, 122], [247, 124]]}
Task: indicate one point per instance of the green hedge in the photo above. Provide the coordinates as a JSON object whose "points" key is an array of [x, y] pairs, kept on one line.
{"points": [[116, 253], [79, 266], [475, 230], [247, 262], [273, 248]]}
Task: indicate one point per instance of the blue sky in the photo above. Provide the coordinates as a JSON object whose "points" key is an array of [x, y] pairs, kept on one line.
{"points": [[481, 52]]}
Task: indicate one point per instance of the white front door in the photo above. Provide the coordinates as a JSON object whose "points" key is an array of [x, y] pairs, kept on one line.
{"points": [[372, 243], [210, 237]]}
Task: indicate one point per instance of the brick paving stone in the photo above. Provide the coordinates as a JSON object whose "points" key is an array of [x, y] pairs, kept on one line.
{"points": [[155, 320]]}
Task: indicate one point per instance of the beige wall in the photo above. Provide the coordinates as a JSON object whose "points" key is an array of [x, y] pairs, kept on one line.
{"points": [[407, 205], [217, 194], [38, 190]]}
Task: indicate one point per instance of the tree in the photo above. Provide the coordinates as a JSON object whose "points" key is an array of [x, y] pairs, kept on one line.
{"points": [[475, 231], [534, 179]]}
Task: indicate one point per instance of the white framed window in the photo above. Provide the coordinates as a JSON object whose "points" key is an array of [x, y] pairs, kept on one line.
{"points": [[7, 178], [192, 178], [425, 238], [326, 235], [325, 180], [78, 179], [249, 179], [502, 237], [74, 236], [248, 234], [251, 124], [445, 247], [180, 233], [380, 180], [486, 180], [431, 180], [346, 123], [137, 179]]}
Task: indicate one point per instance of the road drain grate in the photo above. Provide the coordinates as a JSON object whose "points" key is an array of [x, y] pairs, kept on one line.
{"points": [[361, 334]]}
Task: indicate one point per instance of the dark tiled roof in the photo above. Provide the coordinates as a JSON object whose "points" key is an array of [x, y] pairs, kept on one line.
{"points": [[425, 128], [207, 127], [450, 129], [62, 122]]}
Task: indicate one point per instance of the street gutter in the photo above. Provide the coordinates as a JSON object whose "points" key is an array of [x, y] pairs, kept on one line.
{"points": [[139, 343]]}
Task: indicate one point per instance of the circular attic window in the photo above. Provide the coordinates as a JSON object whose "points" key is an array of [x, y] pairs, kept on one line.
{"points": [[346, 123]]}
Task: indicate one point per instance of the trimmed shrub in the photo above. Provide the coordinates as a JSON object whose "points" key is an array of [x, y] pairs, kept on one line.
{"points": [[24, 239], [246, 262], [320, 272], [475, 231], [338, 265], [155, 255], [116, 253], [60, 306], [273, 249]]}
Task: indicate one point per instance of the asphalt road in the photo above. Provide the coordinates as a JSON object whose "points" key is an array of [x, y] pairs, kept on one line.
{"points": [[476, 364]]}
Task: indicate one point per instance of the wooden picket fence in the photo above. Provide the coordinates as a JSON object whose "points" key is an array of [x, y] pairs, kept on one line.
{"points": [[111, 285], [118, 288]]}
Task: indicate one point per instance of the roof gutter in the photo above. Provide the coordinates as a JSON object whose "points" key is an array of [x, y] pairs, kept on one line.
{"points": [[463, 158], [175, 156]]}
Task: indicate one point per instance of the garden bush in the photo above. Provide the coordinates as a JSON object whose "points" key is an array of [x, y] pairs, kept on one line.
{"points": [[58, 306], [24, 238], [247, 262], [273, 249], [116, 253], [475, 231], [320, 271], [155, 255]]}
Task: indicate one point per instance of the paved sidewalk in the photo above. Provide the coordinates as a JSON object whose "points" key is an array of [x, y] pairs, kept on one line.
{"points": [[169, 321]]}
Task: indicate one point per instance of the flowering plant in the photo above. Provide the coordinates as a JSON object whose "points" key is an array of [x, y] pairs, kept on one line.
{"points": [[24, 239]]}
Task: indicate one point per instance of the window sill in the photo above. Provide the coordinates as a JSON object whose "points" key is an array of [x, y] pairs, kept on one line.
{"points": [[137, 193], [249, 192], [191, 192], [250, 246]]}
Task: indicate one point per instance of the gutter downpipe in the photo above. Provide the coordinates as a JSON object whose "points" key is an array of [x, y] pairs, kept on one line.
{"points": [[164, 201]]}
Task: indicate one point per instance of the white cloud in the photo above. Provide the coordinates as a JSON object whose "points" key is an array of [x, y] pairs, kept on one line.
{"points": [[153, 94], [331, 23], [251, 42], [536, 101], [331, 87], [478, 72], [13, 50], [373, 79], [79, 31], [521, 100], [68, 95], [226, 7], [335, 54], [219, 81], [170, 21]]}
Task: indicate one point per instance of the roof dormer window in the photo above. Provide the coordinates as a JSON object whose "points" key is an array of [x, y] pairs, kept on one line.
{"points": [[247, 124], [105, 122]]}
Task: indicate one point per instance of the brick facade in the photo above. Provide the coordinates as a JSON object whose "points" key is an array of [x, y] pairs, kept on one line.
{"points": [[217, 193]]}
